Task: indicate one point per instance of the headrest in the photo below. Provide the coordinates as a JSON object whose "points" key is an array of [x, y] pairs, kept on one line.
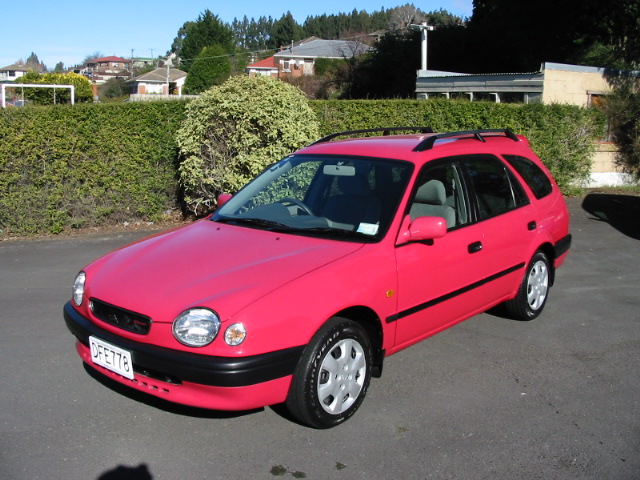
{"points": [[432, 192]]}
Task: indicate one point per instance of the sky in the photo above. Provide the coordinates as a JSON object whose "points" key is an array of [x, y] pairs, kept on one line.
{"points": [[69, 30]]}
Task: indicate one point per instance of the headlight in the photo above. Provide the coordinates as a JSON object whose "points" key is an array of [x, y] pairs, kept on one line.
{"points": [[235, 334], [196, 327], [78, 288]]}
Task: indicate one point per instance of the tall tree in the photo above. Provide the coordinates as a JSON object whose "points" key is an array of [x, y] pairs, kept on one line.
{"points": [[34, 63], [285, 31], [176, 46], [400, 18], [206, 31], [212, 67], [521, 35]]}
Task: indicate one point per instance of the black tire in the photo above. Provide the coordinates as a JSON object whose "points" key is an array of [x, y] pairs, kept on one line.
{"points": [[313, 398], [534, 290]]}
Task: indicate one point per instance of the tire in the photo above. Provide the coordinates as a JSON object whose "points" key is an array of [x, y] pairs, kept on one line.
{"points": [[534, 290], [333, 375]]}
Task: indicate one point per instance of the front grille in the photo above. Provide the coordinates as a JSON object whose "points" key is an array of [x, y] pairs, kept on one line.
{"points": [[121, 318]]}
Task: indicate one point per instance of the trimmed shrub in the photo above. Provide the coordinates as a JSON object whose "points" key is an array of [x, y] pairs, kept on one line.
{"points": [[562, 136], [235, 130], [67, 167]]}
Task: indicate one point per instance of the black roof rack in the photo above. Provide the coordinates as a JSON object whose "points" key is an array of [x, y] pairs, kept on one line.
{"points": [[428, 143], [385, 131]]}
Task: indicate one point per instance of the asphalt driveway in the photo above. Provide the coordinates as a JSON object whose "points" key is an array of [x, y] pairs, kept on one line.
{"points": [[556, 398]]}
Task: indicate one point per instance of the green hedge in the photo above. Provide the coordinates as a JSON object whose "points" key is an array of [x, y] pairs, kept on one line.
{"points": [[562, 136], [69, 167]]}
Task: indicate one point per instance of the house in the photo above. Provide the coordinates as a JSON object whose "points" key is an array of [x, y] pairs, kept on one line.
{"points": [[299, 58], [100, 70], [12, 72], [161, 81], [267, 66], [555, 83]]}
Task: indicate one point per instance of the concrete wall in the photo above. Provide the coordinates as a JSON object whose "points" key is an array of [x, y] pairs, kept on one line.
{"points": [[604, 171], [571, 87]]}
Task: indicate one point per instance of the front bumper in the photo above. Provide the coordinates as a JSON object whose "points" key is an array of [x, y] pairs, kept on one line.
{"points": [[206, 377]]}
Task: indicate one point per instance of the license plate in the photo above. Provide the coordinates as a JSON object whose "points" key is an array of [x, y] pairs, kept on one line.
{"points": [[111, 357]]}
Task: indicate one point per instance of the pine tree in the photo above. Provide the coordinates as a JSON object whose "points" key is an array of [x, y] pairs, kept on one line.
{"points": [[207, 31]]}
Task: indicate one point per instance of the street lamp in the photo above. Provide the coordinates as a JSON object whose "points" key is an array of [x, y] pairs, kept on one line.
{"points": [[424, 28]]}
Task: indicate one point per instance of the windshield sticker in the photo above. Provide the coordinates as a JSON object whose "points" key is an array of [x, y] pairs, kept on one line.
{"points": [[368, 228]]}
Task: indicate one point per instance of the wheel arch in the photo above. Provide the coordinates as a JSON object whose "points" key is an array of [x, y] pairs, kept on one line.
{"points": [[548, 249], [370, 321]]}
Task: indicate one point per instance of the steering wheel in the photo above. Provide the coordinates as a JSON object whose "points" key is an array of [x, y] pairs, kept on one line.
{"points": [[297, 203]]}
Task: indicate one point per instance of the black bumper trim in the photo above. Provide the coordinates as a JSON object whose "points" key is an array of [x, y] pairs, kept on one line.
{"points": [[563, 245], [449, 296], [191, 367]]}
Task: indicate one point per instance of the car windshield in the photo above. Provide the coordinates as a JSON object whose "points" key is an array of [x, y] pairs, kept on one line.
{"points": [[349, 198]]}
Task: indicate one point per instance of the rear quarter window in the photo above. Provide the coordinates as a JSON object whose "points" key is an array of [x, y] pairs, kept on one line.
{"points": [[531, 173]]}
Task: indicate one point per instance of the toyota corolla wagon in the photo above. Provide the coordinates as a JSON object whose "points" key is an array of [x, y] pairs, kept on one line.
{"points": [[299, 286]]}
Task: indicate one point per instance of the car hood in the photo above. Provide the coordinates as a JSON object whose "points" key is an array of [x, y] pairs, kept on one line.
{"points": [[223, 267]]}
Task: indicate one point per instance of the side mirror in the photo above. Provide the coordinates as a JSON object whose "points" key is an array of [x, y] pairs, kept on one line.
{"points": [[421, 229], [223, 198]]}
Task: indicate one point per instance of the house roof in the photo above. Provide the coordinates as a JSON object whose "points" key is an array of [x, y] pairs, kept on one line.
{"points": [[268, 63], [15, 67], [110, 59], [317, 48], [159, 75]]}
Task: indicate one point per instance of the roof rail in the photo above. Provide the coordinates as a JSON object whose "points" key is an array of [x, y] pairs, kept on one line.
{"points": [[428, 143], [385, 131]]}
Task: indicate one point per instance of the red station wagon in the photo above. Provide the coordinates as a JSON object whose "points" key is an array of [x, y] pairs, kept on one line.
{"points": [[300, 286]]}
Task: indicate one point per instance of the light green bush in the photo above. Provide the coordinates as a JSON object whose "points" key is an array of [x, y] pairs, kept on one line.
{"points": [[235, 130]]}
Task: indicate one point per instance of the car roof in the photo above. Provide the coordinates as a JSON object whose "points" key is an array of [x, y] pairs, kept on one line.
{"points": [[413, 146]]}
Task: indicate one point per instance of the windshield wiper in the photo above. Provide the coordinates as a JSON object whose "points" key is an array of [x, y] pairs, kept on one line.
{"points": [[274, 226], [259, 222], [337, 232]]}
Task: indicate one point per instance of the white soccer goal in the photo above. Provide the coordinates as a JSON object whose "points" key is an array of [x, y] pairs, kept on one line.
{"points": [[35, 85]]}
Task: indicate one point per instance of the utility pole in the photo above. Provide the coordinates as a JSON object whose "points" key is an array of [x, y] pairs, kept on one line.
{"points": [[424, 28]]}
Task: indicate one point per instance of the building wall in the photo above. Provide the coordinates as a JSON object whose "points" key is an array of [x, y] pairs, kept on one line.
{"points": [[574, 88], [11, 75]]}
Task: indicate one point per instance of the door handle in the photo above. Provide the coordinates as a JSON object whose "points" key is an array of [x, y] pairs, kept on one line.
{"points": [[474, 247], [532, 225]]}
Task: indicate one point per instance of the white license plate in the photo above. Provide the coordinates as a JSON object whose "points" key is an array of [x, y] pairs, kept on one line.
{"points": [[111, 357]]}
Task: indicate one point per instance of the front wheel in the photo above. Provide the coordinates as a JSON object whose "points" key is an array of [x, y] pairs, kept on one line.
{"points": [[534, 290], [333, 375]]}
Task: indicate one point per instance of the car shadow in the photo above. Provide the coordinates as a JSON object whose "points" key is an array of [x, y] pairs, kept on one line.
{"points": [[123, 472], [164, 405], [622, 212]]}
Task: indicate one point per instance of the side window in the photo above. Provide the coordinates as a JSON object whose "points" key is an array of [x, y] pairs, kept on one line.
{"points": [[537, 180], [495, 188], [440, 194]]}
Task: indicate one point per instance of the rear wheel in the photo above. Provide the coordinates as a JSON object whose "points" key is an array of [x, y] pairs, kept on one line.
{"points": [[534, 290], [332, 378]]}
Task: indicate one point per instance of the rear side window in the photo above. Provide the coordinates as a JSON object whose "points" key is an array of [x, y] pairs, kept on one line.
{"points": [[532, 174], [495, 188]]}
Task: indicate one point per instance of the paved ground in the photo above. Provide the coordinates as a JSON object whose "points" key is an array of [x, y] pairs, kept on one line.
{"points": [[556, 398]]}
